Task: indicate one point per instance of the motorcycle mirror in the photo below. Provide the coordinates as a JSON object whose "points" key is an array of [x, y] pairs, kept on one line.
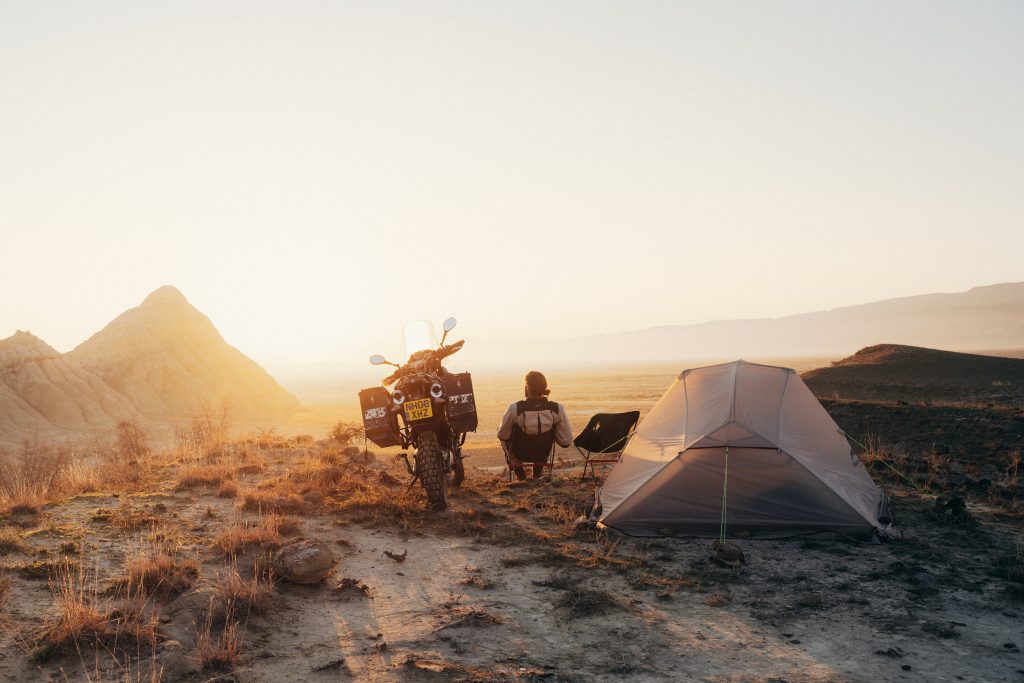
{"points": [[449, 324], [377, 359]]}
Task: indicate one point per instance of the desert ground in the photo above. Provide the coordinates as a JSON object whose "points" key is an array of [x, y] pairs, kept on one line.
{"points": [[133, 561], [161, 572]]}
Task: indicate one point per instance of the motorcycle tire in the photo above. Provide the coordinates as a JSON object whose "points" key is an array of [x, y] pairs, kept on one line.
{"points": [[458, 473], [431, 470]]}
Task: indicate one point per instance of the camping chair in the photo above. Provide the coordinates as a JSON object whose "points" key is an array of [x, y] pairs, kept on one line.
{"points": [[529, 450], [604, 435]]}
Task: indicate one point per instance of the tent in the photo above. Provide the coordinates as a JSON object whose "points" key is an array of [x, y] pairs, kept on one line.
{"points": [[742, 446]]}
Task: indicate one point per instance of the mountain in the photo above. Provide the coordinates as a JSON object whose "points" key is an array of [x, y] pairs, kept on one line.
{"points": [[44, 395], [156, 363], [168, 359], [896, 372], [990, 317]]}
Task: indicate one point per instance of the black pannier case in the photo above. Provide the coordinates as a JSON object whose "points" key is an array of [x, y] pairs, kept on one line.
{"points": [[458, 387], [380, 423]]}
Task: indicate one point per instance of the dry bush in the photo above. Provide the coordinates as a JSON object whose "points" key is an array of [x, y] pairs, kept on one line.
{"points": [[131, 441], [218, 650], [343, 433], [243, 535], [158, 570], [206, 434], [303, 440], [245, 596], [31, 479], [265, 439]]}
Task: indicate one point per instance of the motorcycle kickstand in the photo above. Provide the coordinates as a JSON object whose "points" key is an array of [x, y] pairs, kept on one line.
{"points": [[415, 475]]}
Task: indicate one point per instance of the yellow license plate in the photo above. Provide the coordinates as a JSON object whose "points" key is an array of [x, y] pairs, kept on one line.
{"points": [[418, 410]]}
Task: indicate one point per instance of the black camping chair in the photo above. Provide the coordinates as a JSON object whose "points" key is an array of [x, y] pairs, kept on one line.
{"points": [[529, 450], [606, 434]]}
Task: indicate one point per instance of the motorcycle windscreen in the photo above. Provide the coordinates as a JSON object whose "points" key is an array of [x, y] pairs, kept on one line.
{"points": [[419, 336]]}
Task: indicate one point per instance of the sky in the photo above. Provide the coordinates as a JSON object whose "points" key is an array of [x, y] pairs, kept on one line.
{"points": [[313, 175]]}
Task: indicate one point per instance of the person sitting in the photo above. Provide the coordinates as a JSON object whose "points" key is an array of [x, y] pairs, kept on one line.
{"points": [[533, 416]]}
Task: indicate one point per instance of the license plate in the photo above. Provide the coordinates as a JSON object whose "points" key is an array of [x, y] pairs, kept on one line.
{"points": [[418, 410]]}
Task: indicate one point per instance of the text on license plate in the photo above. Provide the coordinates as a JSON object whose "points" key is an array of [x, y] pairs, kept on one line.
{"points": [[420, 409]]}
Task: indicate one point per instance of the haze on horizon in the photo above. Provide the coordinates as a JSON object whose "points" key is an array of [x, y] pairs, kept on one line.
{"points": [[313, 176]]}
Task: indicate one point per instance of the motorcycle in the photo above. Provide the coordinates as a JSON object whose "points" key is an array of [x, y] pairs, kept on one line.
{"points": [[430, 410]]}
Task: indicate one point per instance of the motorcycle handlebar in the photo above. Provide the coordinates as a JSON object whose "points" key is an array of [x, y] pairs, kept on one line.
{"points": [[437, 355]]}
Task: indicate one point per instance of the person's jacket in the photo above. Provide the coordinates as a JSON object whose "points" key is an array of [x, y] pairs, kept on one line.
{"points": [[537, 416]]}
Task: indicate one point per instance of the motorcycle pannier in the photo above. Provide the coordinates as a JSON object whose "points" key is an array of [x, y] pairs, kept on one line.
{"points": [[461, 402], [380, 423]]}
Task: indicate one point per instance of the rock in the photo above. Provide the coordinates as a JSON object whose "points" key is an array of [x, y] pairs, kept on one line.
{"points": [[190, 611], [314, 497], [303, 561], [175, 665]]}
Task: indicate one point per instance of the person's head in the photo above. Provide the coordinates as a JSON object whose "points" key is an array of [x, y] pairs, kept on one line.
{"points": [[536, 385]]}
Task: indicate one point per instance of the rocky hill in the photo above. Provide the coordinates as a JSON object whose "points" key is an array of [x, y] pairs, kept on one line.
{"points": [[910, 373], [169, 359], [44, 395], [156, 363]]}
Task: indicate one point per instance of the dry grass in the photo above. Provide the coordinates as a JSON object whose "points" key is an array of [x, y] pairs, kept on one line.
{"points": [[131, 442], [87, 619], [281, 498], [194, 475], [206, 433], [5, 588], [32, 478], [158, 571], [243, 535], [127, 517], [227, 489], [11, 541], [218, 650], [243, 596]]}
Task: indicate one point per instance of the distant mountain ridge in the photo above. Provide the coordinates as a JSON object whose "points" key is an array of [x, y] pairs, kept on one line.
{"points": [[156, 363], [988, 317]]}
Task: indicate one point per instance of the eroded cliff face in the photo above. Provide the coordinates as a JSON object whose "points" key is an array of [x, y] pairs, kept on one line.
{"points": [[157, 363], [43, 395]]}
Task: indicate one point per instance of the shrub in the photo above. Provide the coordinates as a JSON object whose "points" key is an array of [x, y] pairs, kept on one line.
{"points": [[158, 571], [344, 433], [131, 441]]}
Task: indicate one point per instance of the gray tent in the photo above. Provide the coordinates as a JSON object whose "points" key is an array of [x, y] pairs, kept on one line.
{"points": [[750, 439]]}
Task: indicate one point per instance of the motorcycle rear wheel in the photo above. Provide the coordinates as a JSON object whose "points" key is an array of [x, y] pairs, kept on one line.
{"points": [[430, 468]]}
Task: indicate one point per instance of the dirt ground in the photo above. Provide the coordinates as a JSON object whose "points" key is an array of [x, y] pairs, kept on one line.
{"points": [[501, 587]]}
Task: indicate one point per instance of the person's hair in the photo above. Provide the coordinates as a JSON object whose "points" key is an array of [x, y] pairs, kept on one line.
{"points": [[536, 384]]}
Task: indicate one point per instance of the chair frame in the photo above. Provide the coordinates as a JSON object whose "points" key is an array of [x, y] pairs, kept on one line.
{"points": [[588, 457], [512, 462]]}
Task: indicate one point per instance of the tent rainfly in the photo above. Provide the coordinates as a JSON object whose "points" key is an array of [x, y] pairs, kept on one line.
{"points": [[740, 447]]}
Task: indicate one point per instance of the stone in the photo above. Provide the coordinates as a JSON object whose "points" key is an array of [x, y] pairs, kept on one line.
{"points": [[304, 561], [175, 665]]}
